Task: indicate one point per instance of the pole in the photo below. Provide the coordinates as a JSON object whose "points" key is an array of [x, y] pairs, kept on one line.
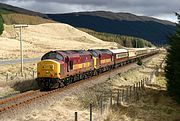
{"points": [[101, 106], [21, 47], [76, 117], [90, 112], [20, 26]]}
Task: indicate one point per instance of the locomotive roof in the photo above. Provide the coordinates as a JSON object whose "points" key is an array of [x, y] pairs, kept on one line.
{"points": [[73, 53]]}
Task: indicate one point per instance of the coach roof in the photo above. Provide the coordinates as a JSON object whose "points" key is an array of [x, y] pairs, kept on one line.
{"points": [[118, 50]]}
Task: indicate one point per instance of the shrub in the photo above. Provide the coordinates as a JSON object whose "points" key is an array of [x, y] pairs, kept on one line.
{"points": [[1, 25]]}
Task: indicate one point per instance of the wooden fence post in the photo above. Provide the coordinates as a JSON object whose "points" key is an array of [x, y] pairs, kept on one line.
{"points": [[134, 92], [122, 95], [101, 105], [130, 91], [76, 116], [90, 111], [143, 84], [127, 90], [33, 75], [25, 75], [134, 87], [6, 77], [118, 98], [139, 85], [111, 100]]}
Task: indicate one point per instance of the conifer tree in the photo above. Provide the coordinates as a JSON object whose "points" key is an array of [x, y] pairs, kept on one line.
{"points": [[1, 25], [172, 68]]}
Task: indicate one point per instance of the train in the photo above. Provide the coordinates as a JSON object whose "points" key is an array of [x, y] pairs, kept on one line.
{"points": [[58, 68]]}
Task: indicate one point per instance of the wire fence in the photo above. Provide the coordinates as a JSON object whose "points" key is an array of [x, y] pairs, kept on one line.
{"points": [[8, 78], [118, 97], [129, 94]]}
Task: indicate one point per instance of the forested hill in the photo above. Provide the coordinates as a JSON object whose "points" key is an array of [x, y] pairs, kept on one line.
{"points": [[148, 28], [7, 9], [15, 15]]}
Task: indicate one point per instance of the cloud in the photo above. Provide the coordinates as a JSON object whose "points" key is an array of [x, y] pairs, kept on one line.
{"points": [[140, 7]]}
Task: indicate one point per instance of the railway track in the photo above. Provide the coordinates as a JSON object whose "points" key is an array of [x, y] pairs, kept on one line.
{"points": [[24, 99], [31, 96]]}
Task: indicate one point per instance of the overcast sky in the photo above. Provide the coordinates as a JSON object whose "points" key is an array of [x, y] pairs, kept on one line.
{"points": [[163, 9]]}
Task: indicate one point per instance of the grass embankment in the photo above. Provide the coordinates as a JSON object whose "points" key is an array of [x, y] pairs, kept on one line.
{"points": [[16, 18], [12, 17], [12, 82], [154, 104]]}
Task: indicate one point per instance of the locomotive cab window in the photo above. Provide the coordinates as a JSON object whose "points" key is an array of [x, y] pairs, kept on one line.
{"points": [[52, 55], [93, 53]]}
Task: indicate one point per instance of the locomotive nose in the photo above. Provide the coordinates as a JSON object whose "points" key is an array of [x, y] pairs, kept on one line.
{"points": [[48, 68]]}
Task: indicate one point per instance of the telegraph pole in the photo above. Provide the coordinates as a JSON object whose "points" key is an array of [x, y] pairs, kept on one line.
{"points": [[20, 26], [136, 43]]}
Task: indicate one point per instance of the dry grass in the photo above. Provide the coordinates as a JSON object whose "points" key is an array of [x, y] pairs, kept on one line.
{"points": [[153, 105], [38, 39], [15, 18], [15, 83]]}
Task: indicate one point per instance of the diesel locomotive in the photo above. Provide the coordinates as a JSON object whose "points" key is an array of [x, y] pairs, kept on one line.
{"points": [[60, 68]]}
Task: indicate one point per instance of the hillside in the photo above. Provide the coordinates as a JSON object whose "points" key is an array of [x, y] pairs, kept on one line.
{"points": [[126, 41], [148, 28], [38, 39], [5, 9], [16, 18], [127, 24], [16, 15]]}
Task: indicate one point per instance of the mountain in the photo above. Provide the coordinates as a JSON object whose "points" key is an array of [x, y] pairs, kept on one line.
{"points": [[15, 15], [5, 8], [148, 28]]}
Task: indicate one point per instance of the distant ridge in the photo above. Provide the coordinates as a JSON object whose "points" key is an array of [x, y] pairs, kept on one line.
{"points": [[4, 8], [148, 28], [124, 16], [128, 24]]}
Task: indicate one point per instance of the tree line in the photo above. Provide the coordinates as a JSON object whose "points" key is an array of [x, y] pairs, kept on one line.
{"points": [[1, 25], [126, 41]]}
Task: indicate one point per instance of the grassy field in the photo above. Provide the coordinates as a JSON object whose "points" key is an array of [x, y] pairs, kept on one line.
{"points": [[17, 18], [12, 82], [154, 104]]}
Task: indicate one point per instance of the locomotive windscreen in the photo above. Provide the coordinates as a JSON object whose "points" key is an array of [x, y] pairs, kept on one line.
{"points": [[52, 55], [93, 53]]}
